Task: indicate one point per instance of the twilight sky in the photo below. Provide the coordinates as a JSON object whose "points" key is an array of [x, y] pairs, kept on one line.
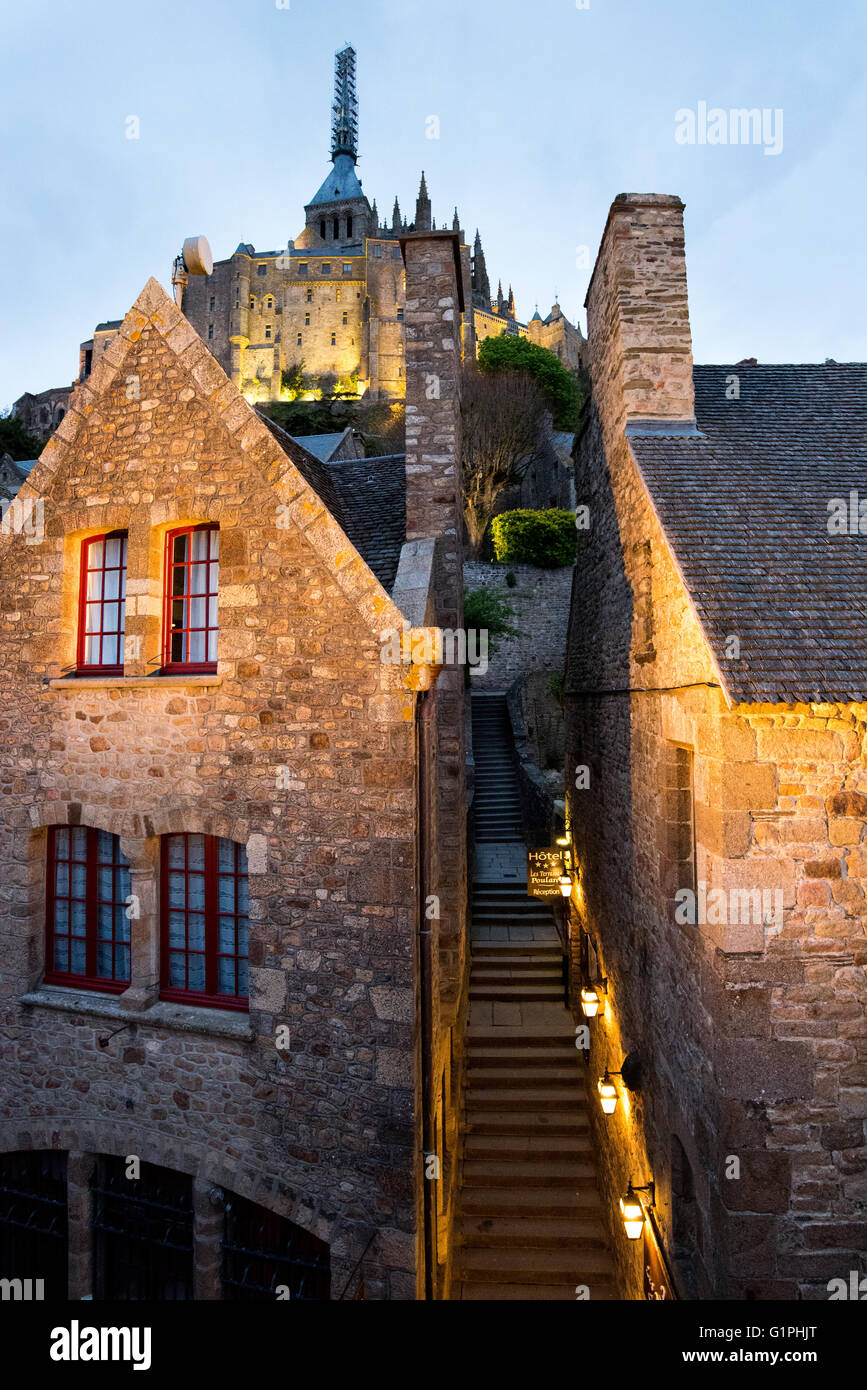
{"points": [[546, 111]]}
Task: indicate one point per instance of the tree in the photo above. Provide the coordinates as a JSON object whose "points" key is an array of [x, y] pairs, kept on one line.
{"points": [[563, 389], [293, 381], [502, 415], [16, 440]]}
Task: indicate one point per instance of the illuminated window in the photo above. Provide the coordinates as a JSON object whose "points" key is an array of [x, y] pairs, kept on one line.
{"points": [[102, 601], [307, 320], [192, 583], [377, 252], [345, 318], [205, 921], [309, 296], [334, 340], [300, 340], [269, 302], [400, 315], [88, 891], [252, 302], [347, 267], [267, 331], [337, 294]]}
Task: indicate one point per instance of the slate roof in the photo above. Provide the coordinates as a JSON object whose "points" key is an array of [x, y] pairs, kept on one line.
{"points": [[745, 509], [341, 185], [322, 445], [366, 497]]}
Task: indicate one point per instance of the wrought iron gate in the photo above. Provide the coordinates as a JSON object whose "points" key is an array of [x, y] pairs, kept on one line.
{"points": [[143, 1233], [33, 1229], [263, 1252]]}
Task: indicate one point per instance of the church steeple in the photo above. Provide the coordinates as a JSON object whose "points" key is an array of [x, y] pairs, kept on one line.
{"points": [[422, 208], [344, 112], [481, 283], [395, 216]]}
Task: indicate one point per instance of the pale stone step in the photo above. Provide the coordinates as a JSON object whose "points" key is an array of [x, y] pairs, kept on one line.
{"points": [[542, 1266], [527, 1147], [491, 1094], [525, 1232], [535, 1203], [474, 1292], [508, 1121], [485, 1172]]}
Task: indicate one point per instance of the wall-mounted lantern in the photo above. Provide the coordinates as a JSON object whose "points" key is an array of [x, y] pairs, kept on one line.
{"points": [[632, 1208], [590, 1002], [630, 1075], [607, 1092]]}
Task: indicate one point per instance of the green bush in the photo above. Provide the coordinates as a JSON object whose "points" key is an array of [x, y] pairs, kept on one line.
{"points": [[487, 610], [545, 538], [564, 390]]}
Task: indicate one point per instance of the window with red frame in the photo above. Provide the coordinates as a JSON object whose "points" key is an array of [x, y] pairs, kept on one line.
{"points": [[87, 902], [205, 924], [102, 602], [192, 581]]}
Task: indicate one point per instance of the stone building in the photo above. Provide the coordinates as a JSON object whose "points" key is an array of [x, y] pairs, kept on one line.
{"points": [[716, 686], [232, 836], [559, 336]]}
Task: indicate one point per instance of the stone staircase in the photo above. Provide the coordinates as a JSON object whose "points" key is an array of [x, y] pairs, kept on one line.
{"points": [[530, 1224]]}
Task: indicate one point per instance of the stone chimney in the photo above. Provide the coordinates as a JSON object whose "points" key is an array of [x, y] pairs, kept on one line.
{"points": [[638, 319], [434, 303]]}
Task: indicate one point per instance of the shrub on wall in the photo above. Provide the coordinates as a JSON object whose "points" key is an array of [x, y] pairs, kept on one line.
{"points": [[545, 538]]}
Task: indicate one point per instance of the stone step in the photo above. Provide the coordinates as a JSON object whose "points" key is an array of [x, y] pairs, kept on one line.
{"points": [[510, 1120], [516, 975], [523, 1232], [504, 1074], [540, 1266], [492, 1095], [471, 1291], [511, 1057], [534, 1203], [519, 1035], [527, 1148], [516, 994], [487, 1172]]}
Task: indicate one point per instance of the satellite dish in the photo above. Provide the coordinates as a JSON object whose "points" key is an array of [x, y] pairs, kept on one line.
{"points": [[197, 256]]}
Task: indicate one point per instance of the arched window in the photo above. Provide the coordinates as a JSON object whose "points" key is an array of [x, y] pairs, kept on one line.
{"points": [[192, 573], [349, 224], [337, 229], [102, 602], [87, 927], [323, 229], [205, 922]]}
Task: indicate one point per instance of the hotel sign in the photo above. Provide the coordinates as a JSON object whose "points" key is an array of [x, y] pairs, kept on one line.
{"points": [[544, 867]]}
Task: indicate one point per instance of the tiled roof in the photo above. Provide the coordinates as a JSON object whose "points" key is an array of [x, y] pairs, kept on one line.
{"points": [[745, 507], [366, 497], [322, 445]]}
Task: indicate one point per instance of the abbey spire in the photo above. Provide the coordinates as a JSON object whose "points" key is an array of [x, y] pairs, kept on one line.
{"points": [[344, 112], [422, 208]]}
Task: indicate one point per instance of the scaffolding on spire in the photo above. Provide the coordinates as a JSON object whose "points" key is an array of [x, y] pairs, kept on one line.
{"points": [[344, 112]]}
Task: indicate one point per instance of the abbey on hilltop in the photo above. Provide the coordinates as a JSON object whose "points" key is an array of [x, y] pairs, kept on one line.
{"points": [[330, 304]]}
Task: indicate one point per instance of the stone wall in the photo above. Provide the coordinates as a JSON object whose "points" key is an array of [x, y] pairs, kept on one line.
{"points": [[540, 598], [750, 1116], [301, 748]]}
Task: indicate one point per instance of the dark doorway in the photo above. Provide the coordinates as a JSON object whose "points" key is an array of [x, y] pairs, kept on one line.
{"points": [[263, 1252], [142, 1233], [33, 1232]]}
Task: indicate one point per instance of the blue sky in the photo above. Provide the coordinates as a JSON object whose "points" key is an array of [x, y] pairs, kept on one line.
{"points": [[546, 112]]}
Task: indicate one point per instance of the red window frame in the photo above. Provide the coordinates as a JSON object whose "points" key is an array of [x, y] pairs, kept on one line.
{"points": [[180, 596], [104, 883], [96, 606], [203, 900]]}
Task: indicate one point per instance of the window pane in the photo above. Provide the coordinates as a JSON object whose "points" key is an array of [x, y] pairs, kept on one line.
{"points": [[176, 851], [195, 932], [200, 545], [112, 584], [95, 555], [212, 646], [179, 548], [110, 649], [177, 965], [78, 918], [243, 986], [61, 842], [198, 612], [177, 888], [177, 929], [104, 960], [121, 963], [78, 883], [196, 893], [94, 584], [78, 843], [121, 924], [198, 647], [243, 937], [243, 896], [196, 978], [104, 922], [196, 852], [61, 880], [113, 552], [77, 956], [226, 940], [199, 579], [105, 883], [226, 856], [61, 954], [226, 977], [61, 918]]}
